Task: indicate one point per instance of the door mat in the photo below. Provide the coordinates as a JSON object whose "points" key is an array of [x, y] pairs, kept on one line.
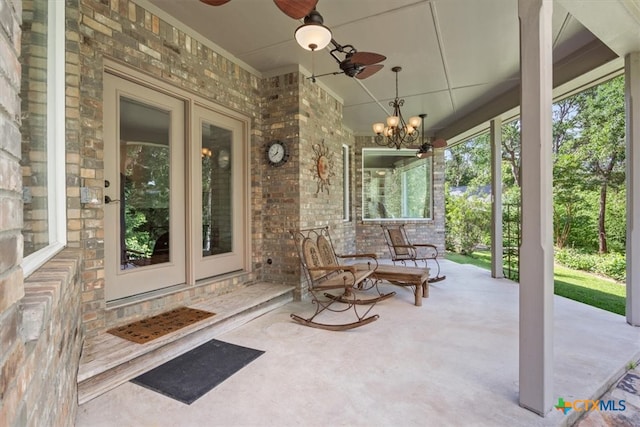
{"points": [[191, 375], [154, 327]]}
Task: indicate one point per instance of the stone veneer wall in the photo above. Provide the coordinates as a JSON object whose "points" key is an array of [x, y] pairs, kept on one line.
{"points": [[40, 320], [301, 114], [369, 234], [321, 120], [281, 187], [123, 31]]}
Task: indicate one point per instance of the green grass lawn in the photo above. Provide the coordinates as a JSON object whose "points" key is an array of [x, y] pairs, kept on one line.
{"points": [[574, 284]]}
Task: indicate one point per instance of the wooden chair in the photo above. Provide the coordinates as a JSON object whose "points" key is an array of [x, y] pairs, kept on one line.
{"points": [[403, 250], [325, 273]]}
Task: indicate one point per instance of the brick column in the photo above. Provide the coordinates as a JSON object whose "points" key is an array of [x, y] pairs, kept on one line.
{"points": [[11, 280]]}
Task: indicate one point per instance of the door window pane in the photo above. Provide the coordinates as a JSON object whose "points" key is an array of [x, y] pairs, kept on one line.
{"points": [[217, 214], [144, 184]]}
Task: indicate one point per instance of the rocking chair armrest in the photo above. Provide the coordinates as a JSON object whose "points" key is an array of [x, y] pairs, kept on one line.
{"points": [[374, 256], [426, 245], [351, 269]]}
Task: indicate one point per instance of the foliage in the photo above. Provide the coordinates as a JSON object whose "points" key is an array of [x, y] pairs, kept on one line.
{"points": [[145, 196], [589, 198], [573, 284], [468, 222], [511, 152], [600, 145], [611, 265]]}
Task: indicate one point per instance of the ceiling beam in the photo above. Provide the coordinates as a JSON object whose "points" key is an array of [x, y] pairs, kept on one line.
{"points": [[615, 22], [587, 58]]}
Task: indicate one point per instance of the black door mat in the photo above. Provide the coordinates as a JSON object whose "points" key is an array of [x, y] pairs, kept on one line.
{"points": [[191, 375]]}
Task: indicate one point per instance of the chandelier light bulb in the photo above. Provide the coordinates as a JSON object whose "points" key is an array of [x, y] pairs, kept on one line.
{"points": [[392, 121], [414, 122], [378, 128]]}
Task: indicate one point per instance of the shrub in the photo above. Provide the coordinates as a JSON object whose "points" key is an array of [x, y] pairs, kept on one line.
{"points": [[611, 265], [468, 223]]}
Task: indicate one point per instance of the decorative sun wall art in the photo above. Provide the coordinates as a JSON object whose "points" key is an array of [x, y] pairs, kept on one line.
{"points": [[322, 166]]}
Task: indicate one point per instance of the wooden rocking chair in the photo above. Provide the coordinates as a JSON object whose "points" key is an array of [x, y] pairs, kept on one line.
{"points": [[403, 250], [324, 273]]}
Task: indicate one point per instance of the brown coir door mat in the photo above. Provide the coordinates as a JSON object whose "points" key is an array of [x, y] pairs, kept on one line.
{"points": [[154, 327]]}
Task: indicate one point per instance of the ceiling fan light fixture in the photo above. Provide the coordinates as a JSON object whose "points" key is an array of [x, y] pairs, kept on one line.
{"points": [[424, 151], [313, 35]]}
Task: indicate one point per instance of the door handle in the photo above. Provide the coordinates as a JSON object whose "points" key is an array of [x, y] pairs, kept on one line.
{"points": [[108, 200]]}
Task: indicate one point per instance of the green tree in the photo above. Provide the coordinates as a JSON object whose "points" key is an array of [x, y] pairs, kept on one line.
{"points": [[600, 144], [511, 150]]}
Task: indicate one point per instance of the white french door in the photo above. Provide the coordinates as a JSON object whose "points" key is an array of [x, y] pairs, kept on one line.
{"points": [[175, 190], [218, 187], [144, 189]]}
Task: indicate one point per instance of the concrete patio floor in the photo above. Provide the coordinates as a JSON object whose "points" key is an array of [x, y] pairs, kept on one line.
{"points": [[451, 362]]}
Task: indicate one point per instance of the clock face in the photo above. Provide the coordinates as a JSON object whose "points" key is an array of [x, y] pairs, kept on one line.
{"points": [[277, 153], [223, 159]]}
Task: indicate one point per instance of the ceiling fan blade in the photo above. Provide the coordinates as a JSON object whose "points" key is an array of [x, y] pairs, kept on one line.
{"points": [[296, 9], [214, 2], [369, 71], [366, 58], [439, 143]]}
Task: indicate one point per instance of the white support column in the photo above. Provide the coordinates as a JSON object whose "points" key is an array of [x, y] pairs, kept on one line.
{"points": [[497, 247], [536, 274], [632, 107]]}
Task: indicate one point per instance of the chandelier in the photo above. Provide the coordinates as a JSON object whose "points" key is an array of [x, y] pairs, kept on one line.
{"points": [[397, 132]]}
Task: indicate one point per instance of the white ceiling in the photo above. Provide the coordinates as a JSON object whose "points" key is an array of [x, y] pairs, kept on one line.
{"points": [[456, 55]]}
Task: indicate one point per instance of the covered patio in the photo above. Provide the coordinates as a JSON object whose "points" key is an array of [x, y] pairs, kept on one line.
{"points": [[451, 362]]}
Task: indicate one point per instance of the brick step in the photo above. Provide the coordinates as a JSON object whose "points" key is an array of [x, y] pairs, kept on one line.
{"points": [[108, 361]]}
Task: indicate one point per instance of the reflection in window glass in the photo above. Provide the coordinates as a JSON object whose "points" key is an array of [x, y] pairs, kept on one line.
{"points": [[145, 184], [33, 89], [217, 190], [396, 184]]}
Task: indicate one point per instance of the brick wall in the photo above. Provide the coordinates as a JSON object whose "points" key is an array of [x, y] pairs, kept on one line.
{"points": [[40, 332], [281, 185], [11, 283], [125, 32], [309, 120]]}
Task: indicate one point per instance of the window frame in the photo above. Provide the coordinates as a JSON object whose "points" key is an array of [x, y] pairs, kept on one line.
{"points": [[430, 164], [346, 184], [56, 185]]}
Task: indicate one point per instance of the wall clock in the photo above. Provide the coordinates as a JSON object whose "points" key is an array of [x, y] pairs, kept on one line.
{"points": [[277, 153], [223, 159]]}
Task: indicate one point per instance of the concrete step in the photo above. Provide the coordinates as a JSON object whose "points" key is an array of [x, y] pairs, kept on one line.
{"points": [[108, 361]]}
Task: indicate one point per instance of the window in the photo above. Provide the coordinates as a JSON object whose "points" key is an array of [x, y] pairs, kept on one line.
{"points": [[346, 189], [396, 184], [43, 131]]}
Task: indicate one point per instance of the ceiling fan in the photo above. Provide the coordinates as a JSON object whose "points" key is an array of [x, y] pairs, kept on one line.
{"points": [[354, 64], [296, 9]]}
